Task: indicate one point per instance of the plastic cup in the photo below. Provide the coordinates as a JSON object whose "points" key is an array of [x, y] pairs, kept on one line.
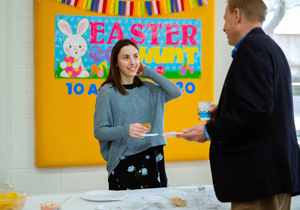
{"points": [[203, 110]]}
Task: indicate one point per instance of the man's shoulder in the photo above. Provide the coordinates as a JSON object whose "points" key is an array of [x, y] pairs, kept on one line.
{"points": [[257, 36], [258, 41]]}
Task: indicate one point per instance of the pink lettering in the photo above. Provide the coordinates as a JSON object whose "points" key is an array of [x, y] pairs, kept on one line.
{"points": [[118, 29], [154, 32], [185, 36], [169, 33], [94, 31], [137, 33]]}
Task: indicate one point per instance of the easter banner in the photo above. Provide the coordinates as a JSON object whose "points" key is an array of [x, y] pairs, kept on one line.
{"points": [[72, 59], [83, 45]]}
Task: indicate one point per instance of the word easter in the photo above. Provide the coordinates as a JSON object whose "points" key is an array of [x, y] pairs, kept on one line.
{"points": [[155, 28], [168, 54], [79, 88]]}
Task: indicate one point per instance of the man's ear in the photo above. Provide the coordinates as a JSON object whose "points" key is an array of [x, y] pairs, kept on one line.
{"points": [[237, 14]]}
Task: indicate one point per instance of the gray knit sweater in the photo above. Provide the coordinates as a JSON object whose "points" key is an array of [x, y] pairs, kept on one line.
{"points": [[115, 112]]}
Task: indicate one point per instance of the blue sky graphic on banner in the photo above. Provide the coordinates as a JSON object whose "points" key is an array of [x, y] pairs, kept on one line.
{"points": [[83, 44]]}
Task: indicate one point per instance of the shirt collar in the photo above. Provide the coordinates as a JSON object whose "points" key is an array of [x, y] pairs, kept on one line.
{"points": [[238, 44], [235, 49]]}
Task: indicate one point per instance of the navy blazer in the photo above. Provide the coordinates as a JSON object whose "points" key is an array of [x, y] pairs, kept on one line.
{"points": [[254, 152]]}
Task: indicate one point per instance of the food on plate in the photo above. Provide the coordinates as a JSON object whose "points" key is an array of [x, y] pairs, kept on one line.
{"points": [[179, 132], [172, 134], [148, 126], [50, 206], [178, 201]]}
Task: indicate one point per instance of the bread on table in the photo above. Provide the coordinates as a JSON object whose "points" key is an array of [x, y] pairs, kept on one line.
{"points": [[178, 201]]}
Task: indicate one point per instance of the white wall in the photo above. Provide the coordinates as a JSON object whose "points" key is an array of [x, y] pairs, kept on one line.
{"points": [[3, 94], [17, 129]]}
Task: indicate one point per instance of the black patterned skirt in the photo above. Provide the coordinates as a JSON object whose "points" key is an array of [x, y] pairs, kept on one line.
{"points": [[139, 171]]}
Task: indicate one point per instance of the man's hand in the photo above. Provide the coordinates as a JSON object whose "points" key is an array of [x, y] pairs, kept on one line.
{"points": [[195, 133], [212, 110]]}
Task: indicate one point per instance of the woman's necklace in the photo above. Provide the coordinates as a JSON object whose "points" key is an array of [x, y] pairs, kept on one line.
{"points": [[133, 99]]}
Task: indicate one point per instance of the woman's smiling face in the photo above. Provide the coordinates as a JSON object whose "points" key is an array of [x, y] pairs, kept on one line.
{"points": [[128, 63]]}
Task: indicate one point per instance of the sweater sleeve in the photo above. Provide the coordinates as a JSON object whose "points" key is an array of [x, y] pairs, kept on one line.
{"points": [[170, 89], [104, 129]]}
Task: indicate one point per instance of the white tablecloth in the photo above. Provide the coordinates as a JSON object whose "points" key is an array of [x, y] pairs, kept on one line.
{"points": [[197, 197]]}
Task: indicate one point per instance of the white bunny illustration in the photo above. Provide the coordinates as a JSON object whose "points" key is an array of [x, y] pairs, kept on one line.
{"points": [[75, 47]]}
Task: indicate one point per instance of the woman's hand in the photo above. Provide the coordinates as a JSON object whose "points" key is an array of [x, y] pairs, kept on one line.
{"points": [[136, 129], [140, 70]]}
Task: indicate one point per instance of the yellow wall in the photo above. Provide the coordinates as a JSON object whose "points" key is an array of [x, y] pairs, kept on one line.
{"points": [[64, 123]]}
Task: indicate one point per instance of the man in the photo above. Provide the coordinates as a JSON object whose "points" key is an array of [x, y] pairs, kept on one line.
{"points": [[254, 154]]}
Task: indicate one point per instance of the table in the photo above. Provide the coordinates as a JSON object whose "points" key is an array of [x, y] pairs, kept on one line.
{"points": [[197, 197]]}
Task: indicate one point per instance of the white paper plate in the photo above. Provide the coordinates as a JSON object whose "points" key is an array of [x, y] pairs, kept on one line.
{"points": [[103, 195], [122, 205], [171, 134], [158, 201], [150, 134]]}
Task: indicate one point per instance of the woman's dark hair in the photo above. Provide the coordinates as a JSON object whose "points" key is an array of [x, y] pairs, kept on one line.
{"points": [[114, 77]]}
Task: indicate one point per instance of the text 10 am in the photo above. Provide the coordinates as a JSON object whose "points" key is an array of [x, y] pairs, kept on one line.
{"points": [[79, 88]]}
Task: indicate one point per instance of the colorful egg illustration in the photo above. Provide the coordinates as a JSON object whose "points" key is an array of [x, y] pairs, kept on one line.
{"points": [[95, 68], [91, 73], [192, 70], [100, 73], [70, 70], [186, 66], [103, 65], [160, 69], [182, 70]]}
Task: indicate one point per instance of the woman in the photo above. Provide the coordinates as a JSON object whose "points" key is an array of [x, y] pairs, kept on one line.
{"points": [[123, 104]]}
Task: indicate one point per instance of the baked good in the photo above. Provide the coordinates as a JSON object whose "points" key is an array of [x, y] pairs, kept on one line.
{"points": [[148, 126], [178, 201]]}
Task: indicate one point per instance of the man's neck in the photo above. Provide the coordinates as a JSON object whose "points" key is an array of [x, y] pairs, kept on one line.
{"points": [[248, 27]]}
